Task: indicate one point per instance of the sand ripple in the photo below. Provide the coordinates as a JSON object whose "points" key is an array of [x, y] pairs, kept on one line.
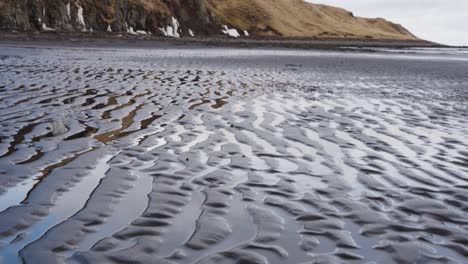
{"points": [[232, 156]]}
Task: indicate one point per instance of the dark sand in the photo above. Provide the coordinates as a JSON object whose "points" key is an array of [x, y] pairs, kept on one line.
{"points": [[198, 154], [106, 40]]}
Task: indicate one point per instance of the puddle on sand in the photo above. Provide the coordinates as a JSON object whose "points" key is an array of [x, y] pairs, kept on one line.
{"points": [[16, 195], [66, 205]]}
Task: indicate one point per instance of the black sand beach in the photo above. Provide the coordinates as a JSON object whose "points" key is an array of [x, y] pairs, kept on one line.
{"points": [[151, 153], [106, 40]]}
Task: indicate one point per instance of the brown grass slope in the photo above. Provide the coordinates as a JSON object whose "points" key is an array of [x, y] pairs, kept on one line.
{"points": [[297, 18]]}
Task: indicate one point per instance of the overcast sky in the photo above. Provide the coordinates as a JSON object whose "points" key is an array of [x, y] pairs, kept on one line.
{"points": [[442, 21]]}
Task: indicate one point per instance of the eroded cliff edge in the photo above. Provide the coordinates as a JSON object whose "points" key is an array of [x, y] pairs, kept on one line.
{"points": [[272, 18]]}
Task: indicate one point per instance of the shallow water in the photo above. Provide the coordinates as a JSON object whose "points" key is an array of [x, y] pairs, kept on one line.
{"points": [[212, 155]]}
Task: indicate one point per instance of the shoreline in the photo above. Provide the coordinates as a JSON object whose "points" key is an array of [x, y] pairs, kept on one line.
{"points": [[100, 39]]}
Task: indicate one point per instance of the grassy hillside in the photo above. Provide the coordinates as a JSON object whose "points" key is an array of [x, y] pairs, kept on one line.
{"points": [[297, 18]]}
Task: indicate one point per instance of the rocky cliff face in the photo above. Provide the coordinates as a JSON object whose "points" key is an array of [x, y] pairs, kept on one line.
{"points": [[150, 16], [285, 18]]}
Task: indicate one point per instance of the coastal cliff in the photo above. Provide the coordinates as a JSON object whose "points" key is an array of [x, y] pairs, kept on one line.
{"points": [[179, 18]]}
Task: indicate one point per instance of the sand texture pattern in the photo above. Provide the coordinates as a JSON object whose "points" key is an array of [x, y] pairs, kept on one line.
{"points": [[194, 155]]}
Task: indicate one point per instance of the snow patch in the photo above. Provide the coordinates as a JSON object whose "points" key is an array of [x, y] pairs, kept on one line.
{"points": [[46, 28], [68, 10], [109, 29], [171, 30], [141, 32], [230, 32], [191, 33], [80, 18], [246, 33], [131, 31]]}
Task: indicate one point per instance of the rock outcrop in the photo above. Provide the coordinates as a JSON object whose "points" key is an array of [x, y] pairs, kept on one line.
{"points": [[278, 18]]}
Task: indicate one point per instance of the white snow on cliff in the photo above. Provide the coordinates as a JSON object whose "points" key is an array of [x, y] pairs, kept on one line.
{"points": [[68, 10], [141, 32], [171, 30], [230, 32], [46, 28], [80, 17], [131, 31]]}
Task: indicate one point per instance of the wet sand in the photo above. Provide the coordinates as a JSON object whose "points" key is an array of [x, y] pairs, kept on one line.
{"points": [[224, 155], [118, 40]]}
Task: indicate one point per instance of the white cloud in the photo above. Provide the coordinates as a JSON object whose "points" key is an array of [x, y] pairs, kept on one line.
{"points": [[442, 21]]}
